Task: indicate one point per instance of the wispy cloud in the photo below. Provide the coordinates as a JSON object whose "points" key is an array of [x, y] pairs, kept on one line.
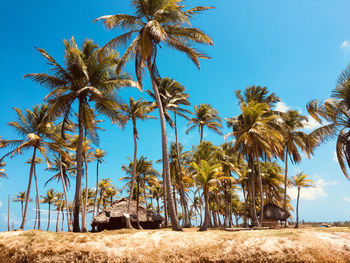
{"points": [[345, 47], [346, 199], [309, 124], [281, 106], [0, 204], [313, 193]]}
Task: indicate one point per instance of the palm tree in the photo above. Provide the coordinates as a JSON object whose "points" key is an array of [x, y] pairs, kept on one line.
{"points": [[21, 197], [49, 198], [63, 168], [139, 109], [85, 78], [98, 155], [173, 96], [59, 207], [293, 139], [205, 176], [37, 199], [257, 132], [155, 22], [35, 127], [205, 115], [301, 181], [335, 111]]}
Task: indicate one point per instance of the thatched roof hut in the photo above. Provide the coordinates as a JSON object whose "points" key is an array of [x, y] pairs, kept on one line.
{"points": [[273, 213], [115, 217]]}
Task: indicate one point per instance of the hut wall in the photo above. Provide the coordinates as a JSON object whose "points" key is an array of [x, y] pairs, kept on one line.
{"points": [[270, 223]]}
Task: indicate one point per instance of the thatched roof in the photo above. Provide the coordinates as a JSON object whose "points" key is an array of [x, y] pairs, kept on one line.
{"points": [[274, 212], [120, 208]]}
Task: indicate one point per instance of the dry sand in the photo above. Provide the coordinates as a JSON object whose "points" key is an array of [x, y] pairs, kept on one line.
{"points": [[286, 245]]}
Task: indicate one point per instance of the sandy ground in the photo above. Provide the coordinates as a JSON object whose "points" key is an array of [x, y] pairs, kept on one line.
{"points": [[286, 245]]}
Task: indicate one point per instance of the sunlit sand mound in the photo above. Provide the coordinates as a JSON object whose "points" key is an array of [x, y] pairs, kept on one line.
{"points": [[287, 245]]}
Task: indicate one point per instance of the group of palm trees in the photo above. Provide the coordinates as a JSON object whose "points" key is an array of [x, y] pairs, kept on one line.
{"points": [[64, 128]]}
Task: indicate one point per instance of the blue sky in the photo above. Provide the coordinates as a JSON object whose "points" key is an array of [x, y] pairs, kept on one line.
{"points": [[295, 48]]}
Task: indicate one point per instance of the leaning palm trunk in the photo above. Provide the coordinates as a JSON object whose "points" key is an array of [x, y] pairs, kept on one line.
{"points": [[187, 221], [297, 223], [58, 215], [261, 190], [84, 212], [133, 178], [79, 158], [204, 227], [170, 202], [285, 186], [96, 192], [28, 190], [252, 189], [48, 221], [65, 195], [37, 219]]}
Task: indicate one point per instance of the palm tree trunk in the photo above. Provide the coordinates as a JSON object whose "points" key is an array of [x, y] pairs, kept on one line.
{"points": [[252, 189], [8, 214], [58, 216], [96, 192], [297, 223], [37, 219], [285, 185], [261, 190], [170, 202], [48, 221], [137, 206], [28, 190], [79, 159], [133, 178], [62, 219], [204, 226], [65, 195], [201, 133], [187, 221], [84, 212]]}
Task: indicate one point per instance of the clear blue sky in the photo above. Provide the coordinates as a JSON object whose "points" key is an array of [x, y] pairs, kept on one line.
{"points": [[295, 48]]}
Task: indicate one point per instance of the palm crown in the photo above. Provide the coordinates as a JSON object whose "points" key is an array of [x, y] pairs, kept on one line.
{"points": [[155, 22]]}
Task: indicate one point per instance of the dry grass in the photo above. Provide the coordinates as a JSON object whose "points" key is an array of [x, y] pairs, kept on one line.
{"points": [[286, 245]]}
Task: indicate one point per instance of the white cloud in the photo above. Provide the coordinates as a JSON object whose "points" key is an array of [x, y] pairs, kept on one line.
{"points": [[311, 123], [281, 106], [312, 193], [0, 204], [346, 199], [345, 47]]}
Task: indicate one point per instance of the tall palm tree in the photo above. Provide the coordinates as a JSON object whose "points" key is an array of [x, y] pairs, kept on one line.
{"points": [[293, 140], [139, 109], [335, 112], [21, 198], [205, 115], [173, 97], [85, 78], [301, 181], [205, 175], [49, 198], [155, 22], [37, 199], [63, 168], [35, 126], [98, 155], [257, 132]]}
